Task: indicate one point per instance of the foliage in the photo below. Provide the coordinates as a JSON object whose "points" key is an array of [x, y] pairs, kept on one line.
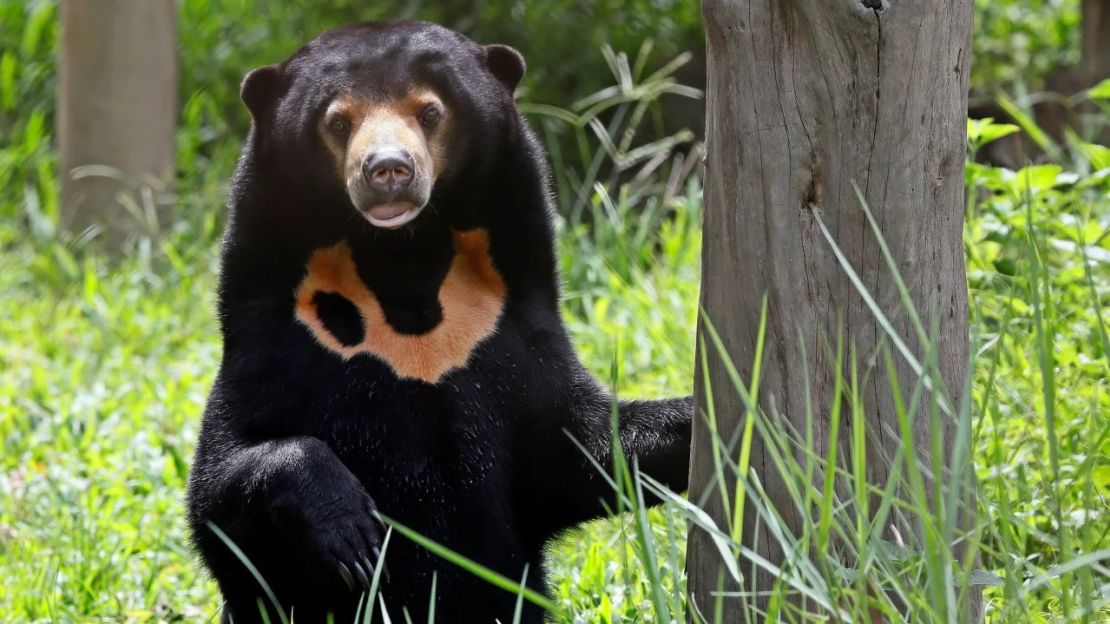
{"points": [[1018, 41], [220, 40], [106, 367], [107, 371], [28, 162], [1039, 270]]}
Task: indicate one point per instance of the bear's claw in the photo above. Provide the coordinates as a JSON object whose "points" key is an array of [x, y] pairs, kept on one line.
{"points": [[346, 574], [363, 577]]}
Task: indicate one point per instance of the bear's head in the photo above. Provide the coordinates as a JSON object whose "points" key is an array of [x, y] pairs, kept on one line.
{"points": [[386, 119]]}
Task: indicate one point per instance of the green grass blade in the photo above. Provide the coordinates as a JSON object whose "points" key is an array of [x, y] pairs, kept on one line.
{"points": [[475, 568], [239, 554]]}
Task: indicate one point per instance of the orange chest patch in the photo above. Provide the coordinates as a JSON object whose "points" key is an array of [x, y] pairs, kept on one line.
{"points": [[472, 297]]}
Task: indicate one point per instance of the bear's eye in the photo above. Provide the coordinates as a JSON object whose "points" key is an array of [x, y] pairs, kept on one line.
{"points": [[338, 126], [429, 117]]}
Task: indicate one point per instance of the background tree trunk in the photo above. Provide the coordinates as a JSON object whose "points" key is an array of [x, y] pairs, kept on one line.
{"points": [[1096, 39], [806, 98], [1053, 116], [117, 96]]}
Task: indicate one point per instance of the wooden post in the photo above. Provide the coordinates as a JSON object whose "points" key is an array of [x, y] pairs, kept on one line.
{"points": [[117, 96], [1096, 39], [805, 99]]}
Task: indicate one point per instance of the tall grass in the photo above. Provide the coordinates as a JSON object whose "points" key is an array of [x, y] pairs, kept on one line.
{"points": [[1033, 425], [105, 369]]}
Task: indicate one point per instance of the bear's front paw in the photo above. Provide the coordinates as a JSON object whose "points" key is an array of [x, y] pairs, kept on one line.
{"points": [[341, 535]]}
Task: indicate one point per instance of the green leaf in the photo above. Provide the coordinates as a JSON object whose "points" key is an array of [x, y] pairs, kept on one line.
{"points": [[1027, 124], [1037, 178], [7, 81], [1097, 155], [983, 131], [978, 174], [1101, 91]]}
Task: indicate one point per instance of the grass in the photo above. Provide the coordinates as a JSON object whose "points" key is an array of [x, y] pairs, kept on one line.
{"points": [[106, 368], [106, 371]]}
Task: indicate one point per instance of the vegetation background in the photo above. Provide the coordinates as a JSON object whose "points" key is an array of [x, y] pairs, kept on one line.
{"points": [[105, 365]]}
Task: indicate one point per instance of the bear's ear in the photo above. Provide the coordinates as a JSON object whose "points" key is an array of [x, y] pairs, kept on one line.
{"points": [[505, 63], [260, 88]]}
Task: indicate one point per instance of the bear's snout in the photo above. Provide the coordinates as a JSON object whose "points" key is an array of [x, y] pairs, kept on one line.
{"points": [[388, 151], [389, 189], [388, 172]]}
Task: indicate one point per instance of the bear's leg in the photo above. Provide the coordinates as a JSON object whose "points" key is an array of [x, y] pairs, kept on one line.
{"points": [[657, 435], [560, 484], [297, 514]]}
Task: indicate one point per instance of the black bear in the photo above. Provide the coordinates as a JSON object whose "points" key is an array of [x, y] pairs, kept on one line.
{"points": [[389, 303]]}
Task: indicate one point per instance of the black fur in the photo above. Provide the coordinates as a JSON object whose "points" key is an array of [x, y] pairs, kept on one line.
{"points": [[299, 446], [340, 317]]}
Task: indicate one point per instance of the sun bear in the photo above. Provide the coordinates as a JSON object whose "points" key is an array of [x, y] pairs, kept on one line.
{"points": [[392, 342]]}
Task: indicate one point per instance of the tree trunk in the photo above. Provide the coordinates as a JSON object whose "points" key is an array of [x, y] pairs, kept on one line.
{"points": [[1057, 117], [807, 98], [117, 92], [1096, 39]]}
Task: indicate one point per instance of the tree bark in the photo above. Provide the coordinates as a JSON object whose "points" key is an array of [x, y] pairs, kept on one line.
{"points": [[805, 99], [117, 93], [1096, 39]]}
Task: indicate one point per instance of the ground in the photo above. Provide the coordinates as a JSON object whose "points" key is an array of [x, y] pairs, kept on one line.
{"points": [[106, 370]]}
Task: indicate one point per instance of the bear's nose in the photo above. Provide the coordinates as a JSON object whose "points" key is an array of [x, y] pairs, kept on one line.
{"points": [[388, 171]]}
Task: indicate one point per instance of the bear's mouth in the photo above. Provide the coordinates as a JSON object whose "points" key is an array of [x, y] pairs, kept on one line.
{"points": [[391, 215]]}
